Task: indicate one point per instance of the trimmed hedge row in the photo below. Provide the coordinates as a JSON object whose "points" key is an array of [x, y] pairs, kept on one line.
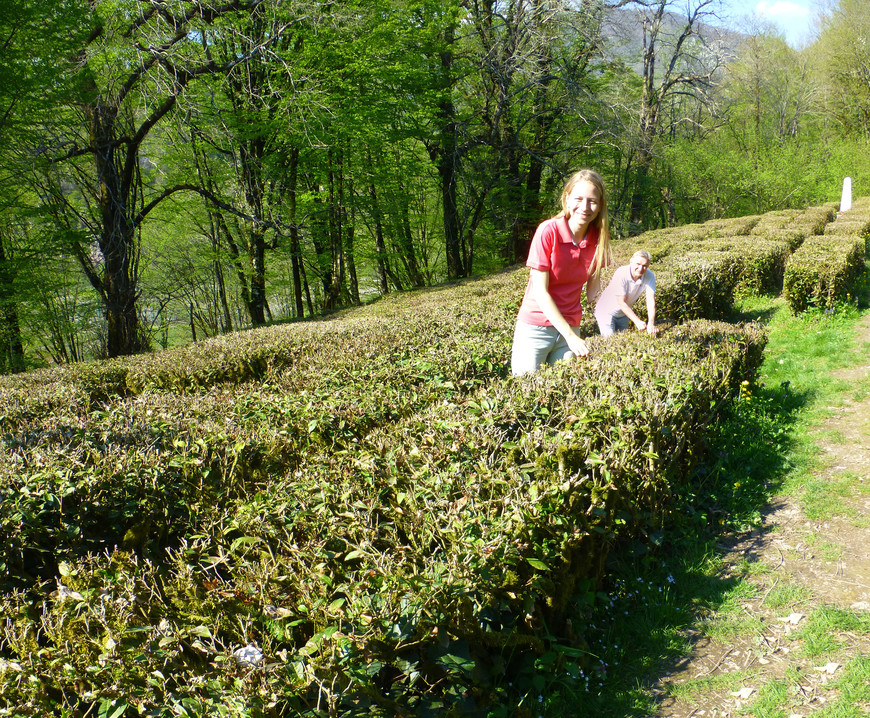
{"points": [[759, 262], [365, 498], [475, 305], [78, 475], [447, 341], [824, 272], [479, 309], [810, 221], [825, 269], [457, 338], [389, 574]]}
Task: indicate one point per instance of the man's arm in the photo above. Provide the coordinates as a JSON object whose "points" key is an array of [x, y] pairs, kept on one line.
{"points": [[629, 312], [651, 311]]}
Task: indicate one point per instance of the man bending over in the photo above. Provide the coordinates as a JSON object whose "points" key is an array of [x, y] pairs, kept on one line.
{"points": [[613, 310]]}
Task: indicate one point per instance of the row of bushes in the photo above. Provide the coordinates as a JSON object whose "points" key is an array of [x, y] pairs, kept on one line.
{"points": [[700, 268], [77, 473], [391, 573], [825, 270], [422, 348], [368, 498], [696, 280]]}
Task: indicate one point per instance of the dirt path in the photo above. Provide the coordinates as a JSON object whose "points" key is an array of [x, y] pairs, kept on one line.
{"points": [[798, 566]]}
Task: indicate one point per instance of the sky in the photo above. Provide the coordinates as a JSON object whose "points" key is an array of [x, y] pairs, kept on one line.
{"points": [[794, 18]]}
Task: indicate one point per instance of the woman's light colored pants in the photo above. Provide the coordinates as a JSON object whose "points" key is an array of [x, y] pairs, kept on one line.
{"points": [[534, 346]]}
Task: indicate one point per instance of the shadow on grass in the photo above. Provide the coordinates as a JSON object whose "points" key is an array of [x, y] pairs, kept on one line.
{"points": [[762, 314], [645, 625]]}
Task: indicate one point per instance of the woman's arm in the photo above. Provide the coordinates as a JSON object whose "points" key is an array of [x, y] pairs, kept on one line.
{"points": [[593, 289], [541, 289]]}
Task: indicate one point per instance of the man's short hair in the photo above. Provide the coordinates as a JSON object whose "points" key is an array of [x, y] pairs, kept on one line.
{"points": [[641, 253]]}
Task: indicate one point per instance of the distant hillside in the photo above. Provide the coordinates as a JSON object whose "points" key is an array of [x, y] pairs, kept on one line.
{"points": [[623, 33]]}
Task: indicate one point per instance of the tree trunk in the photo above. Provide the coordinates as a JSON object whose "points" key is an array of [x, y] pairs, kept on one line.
{"points": [[11, 344], [448, 171], [406, 239], [227, 320], [257, 255], [446, 156], [350, 258], [380, 245], [353, 281], [118, 240], [336, 232], [295, 246]]}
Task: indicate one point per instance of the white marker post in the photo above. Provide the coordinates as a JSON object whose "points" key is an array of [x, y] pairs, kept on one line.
{"points": [[846, 198]]}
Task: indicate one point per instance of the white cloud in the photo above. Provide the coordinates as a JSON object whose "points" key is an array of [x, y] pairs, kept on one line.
{"points": [[782, 10]]}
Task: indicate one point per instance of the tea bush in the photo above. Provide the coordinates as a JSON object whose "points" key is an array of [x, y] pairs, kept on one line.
{"points": [[362, 515], [824, 270], [384, 572]]}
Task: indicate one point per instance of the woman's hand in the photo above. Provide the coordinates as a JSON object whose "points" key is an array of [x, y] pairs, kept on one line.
{"points": [[578, 346]]}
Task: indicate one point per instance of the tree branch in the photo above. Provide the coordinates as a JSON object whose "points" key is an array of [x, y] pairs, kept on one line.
{"points": [[214, 199]]}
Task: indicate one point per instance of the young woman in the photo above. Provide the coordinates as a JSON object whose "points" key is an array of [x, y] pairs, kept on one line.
{"points": [[568, 252]]}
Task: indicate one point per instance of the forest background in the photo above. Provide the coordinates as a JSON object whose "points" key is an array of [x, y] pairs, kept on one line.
{"points": [[172, 170]]}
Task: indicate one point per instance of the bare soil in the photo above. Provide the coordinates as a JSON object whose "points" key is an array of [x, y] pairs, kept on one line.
{"points": [[826, 561]]}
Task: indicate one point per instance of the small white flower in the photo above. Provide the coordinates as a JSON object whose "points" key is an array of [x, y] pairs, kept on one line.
{"points": [[64, 593], [248, 655]]}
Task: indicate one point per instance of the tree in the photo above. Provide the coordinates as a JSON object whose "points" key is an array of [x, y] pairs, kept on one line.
{"points": [[365, 94], [506, 72], [536, 63], [36, 40], [238, 137], [768, 98], [678, 64], [138, 60], [843, 53]]}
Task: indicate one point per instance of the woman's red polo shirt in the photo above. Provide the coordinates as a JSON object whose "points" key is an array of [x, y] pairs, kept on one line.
{"points": [[553, 250]]}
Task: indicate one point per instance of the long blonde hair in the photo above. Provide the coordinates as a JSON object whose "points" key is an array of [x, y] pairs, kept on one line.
{"points": [[603, 253]]}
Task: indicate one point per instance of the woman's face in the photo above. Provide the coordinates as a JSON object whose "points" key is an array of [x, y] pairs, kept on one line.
{"points": [[582, 202]]}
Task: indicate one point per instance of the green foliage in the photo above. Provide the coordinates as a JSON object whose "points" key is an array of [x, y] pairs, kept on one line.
{"points": [[654, 605], [380, 512], [824, 271], [367, 505], [843, 59]]}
